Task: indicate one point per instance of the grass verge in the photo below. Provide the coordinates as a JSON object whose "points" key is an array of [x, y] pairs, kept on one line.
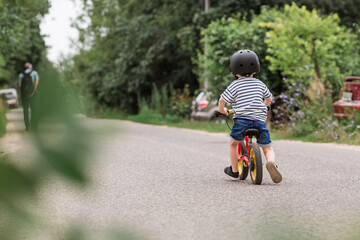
{"points": [[169, 120], [216, 127]]}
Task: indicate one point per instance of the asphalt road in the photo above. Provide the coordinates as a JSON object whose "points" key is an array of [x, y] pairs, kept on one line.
{"points": [[168, 183]]}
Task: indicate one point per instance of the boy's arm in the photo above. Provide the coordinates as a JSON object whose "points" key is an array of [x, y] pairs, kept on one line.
{"points": [[267, 96], [268, 101], [226, 97], [222, 108]]}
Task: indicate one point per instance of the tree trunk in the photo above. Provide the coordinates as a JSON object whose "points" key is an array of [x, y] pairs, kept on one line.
{"points": [[317, 87]]}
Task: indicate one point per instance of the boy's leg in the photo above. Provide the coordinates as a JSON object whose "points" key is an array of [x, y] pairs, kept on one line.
{"points": [[236, 135], [233, 155], [271, 166], [265, 143], [269, 154], [233, 171]]}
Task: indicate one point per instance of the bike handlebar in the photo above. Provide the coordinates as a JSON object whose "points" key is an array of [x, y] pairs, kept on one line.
{"points": [[230, 111], [218, 114]]}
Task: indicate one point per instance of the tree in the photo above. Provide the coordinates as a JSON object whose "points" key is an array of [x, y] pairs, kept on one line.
{"points": [[227, 35], [133, 45], [20, 38], [312, 49]]}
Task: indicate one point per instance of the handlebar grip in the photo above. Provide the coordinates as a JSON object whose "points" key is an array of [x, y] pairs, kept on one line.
{"points": [[218, 114]]}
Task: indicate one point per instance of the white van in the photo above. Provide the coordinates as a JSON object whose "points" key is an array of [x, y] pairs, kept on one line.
{"points": [[10, 97]]}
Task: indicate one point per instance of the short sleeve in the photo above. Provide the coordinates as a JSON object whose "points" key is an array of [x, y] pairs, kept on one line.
{"points": [[267, 93], [20, 78], [36, 76], [228, 96]]}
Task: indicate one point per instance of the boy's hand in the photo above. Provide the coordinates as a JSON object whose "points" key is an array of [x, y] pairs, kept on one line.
{"points": [[223, 111]]}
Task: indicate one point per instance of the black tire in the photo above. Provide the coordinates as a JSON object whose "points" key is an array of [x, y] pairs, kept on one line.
{"points": [[256, 167], [243, 171]]}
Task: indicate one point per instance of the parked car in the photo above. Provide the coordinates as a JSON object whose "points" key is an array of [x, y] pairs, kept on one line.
{"points": [[202, 107], [349, 98], [10, 97]]}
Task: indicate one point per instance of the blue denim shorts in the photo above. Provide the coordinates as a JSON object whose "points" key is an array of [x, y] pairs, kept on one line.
{"points": [[241, 125]]}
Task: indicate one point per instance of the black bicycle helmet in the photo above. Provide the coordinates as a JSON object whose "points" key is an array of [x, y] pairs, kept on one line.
{"points": [[244, 62]]}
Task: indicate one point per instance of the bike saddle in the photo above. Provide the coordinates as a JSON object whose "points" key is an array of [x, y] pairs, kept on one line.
{"points": [[252, 132]]}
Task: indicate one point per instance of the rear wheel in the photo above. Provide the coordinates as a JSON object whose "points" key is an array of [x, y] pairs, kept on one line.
{"points": [[256, 168], [243, 169]]}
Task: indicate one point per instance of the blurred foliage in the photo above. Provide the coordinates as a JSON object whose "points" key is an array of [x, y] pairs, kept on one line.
{"points": [[58, 150], [60, 147], [20, 37], [60, 137]]}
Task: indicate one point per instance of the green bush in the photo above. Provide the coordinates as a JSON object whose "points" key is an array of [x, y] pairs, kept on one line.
{"points": [[294, 46], [171, 105], [312, 53], [308, 48], [315, 119], [303, 56], [180, 102], [2, 119], [227, 35]]}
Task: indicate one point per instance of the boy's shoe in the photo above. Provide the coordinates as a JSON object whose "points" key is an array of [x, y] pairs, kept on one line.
{"points": [[228, 171], [275, 174]]}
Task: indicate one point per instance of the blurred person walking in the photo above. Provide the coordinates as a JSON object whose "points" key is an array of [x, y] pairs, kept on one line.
{"points": [[28, 84]]}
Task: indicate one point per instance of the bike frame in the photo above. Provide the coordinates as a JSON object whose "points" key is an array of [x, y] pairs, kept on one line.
{"points": [[244, 157]]}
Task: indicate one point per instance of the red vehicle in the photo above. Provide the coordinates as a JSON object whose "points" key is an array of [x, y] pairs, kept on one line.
{"points": [[349, 101]]}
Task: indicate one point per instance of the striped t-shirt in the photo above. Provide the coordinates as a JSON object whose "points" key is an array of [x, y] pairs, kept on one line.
{"points": [[247, 97]]}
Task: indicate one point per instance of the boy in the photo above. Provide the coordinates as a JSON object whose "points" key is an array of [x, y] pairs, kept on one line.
{"points": [[250, 110]]}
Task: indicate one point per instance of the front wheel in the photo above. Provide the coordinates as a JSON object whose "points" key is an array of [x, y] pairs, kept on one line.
{"points": [[243, 169], [256, 168]]}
